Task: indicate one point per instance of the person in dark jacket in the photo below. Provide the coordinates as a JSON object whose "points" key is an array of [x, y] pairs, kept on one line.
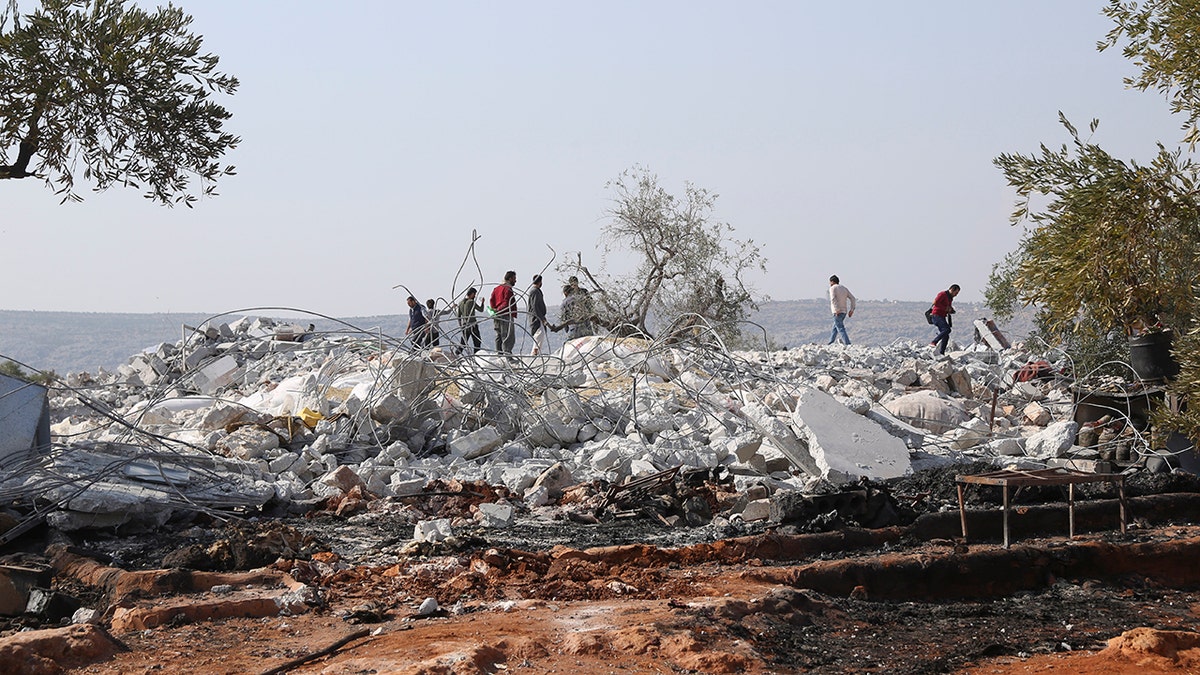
{"points": [[417, 330], [537, 316], [943, 307]]}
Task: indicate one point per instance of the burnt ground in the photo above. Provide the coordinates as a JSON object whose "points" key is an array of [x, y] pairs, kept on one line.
{"points": [[913, 597]]}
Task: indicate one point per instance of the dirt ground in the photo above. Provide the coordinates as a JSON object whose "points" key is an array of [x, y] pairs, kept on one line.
{"points": [[641, 597], [639, 609]]}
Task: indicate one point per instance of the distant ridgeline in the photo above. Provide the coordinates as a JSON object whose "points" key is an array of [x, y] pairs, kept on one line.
{"points": [[85, 341]]}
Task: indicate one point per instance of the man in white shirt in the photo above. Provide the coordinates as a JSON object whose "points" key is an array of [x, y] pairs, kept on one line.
{"points": [[841, 302]]}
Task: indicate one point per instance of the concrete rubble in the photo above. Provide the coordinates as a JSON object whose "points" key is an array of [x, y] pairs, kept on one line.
{"points": [[244, 416]]}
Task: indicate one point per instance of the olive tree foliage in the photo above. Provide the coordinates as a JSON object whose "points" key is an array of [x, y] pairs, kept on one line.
{"points": [[114, 94], [1162, 38], [689, 269], [1115, 244]]}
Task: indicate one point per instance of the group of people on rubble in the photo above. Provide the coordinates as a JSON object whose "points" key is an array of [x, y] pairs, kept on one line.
{"points": [[578, 316], [842, 303], [425, 322]]}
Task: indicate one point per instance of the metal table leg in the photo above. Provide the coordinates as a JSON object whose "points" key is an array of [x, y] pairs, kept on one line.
{"points": [[962, 509], [1071, 509], [1005, 490]]}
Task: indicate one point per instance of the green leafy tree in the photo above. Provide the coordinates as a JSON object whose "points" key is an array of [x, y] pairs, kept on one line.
{"points": [[1116, 242], [117, 92], [1162, 38], [689, 268]]}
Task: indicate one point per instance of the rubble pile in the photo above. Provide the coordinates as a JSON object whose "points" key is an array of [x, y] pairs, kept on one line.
{"points": [[258, 413]]}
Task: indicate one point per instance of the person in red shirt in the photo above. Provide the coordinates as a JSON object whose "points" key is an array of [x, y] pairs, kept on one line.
{"points": [[504, 303], [943, 307]]}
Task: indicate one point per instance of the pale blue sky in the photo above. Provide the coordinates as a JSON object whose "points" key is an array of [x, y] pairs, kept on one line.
{"points": [[853, 138]]}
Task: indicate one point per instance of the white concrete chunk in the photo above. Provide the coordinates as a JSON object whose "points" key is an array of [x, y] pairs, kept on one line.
{"points": [[495, 515], [844, 445], [477, 443], [216, 375], [1007, 447], [782, 437], [555, 479], [1053, 441], [759, 509], [432, 530], [248, 443]]}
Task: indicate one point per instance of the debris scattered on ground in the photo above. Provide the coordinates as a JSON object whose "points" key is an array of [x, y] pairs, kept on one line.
{"points": [[253, 469]]}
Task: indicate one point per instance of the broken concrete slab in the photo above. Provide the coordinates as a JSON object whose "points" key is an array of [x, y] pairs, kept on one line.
{"points": [[494, 515], [913, 437], [215, 375], [846, 446], [1053, 441], [249, 442], [110, 498], [24, 420], [477, 443], [432, 530], [782, 437]]}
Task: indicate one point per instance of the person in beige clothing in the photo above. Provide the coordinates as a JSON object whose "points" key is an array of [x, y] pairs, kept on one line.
{"points": [[841, 303]]}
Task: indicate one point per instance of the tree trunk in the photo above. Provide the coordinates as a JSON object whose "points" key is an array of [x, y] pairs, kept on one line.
{"points": [[20, 169]]}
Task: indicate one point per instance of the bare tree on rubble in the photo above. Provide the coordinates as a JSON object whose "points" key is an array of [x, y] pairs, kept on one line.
{"points": [[688, 267], [114, 93]]}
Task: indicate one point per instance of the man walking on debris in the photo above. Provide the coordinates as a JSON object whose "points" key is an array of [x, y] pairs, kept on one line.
{"points": [[942, 308], [839, 298], [417, 330], [504, 303], [467, 321], [537, 316]]}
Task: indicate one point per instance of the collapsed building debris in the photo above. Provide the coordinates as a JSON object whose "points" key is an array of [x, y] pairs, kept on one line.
{"points": [[241, 416], [425, 475]]}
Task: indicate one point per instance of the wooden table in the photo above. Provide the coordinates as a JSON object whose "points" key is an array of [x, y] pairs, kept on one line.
{"points": [[1041, 477]]}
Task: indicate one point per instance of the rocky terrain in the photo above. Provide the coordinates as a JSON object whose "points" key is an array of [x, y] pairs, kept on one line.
{"points": [[254, 492]]}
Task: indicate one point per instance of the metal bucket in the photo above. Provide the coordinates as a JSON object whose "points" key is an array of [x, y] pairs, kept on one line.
{"points": [[1150, 356]]}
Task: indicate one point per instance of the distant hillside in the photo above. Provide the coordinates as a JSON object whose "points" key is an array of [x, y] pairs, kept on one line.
{"points": [[84, 341]]}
